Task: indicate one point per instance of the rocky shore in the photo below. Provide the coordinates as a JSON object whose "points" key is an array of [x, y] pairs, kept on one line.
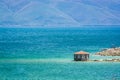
{"points": [[109, 52], [108, 60]]}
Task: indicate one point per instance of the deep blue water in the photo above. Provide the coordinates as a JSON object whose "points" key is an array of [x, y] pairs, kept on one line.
{"points": [[55, 43], [47, 53]]}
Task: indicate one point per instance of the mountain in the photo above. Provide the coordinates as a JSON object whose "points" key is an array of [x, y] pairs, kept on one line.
{"points": [[59, 12]]}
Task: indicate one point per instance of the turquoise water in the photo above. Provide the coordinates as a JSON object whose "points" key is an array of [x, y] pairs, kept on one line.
{"points": [[60, 71], [47, 54]]}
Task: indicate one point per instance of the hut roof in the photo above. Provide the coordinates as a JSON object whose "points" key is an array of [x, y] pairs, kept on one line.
{"points": [[81, 52]]}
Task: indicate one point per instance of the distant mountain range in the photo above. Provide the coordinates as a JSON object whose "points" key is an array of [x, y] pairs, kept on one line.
{"points": [[59, 12]]}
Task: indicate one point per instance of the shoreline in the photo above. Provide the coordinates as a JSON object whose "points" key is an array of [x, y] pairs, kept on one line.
{"points": [[20, 60]]}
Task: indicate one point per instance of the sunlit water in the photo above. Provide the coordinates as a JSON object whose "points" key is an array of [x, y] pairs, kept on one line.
{"points": [[47, 54]]}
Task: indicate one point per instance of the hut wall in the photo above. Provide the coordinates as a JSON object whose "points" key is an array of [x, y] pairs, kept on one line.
{"points": [[81, 57]]}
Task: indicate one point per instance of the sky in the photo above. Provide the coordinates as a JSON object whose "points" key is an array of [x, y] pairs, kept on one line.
{"points": [[42, 13]]}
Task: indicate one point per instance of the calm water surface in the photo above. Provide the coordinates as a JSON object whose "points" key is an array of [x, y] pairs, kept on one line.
{"points": [[47, 54]]}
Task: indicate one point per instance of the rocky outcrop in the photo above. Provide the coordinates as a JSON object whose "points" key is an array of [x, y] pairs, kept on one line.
{"points": [[109, 52]]}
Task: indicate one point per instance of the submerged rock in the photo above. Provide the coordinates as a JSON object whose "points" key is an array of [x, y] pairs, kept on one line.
{"points": [[109, 52]]}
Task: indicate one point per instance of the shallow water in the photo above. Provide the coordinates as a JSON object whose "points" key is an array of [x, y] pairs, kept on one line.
{"points": [[59, 70]]}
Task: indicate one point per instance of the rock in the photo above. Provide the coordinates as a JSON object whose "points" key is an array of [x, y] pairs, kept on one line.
{"points": [[109, 52]]}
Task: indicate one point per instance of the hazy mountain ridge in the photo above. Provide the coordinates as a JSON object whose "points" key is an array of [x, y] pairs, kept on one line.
{"points": [[59, 12]]}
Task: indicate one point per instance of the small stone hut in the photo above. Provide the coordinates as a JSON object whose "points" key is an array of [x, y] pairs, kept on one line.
{"points": [[81, 56]]}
